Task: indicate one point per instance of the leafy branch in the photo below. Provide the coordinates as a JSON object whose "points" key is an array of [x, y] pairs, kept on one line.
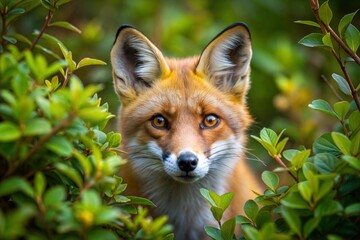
{"points": [[323, 15], [48, 18]]}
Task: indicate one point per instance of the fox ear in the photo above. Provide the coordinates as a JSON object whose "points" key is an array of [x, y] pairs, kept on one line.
{"points": [[225, 62], [136, 62]]}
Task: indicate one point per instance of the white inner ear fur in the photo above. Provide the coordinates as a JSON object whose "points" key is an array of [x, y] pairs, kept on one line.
{"points": [[222, 64], [136, 62]]}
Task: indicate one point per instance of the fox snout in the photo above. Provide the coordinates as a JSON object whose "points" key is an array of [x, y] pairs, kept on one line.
{"points": [[187, 161], [186, 167]]}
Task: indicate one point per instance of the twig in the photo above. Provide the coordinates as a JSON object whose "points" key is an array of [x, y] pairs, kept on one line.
{"points": [[65, 123], [46, 25], [331, 87], [325, 29], [282, 164]]}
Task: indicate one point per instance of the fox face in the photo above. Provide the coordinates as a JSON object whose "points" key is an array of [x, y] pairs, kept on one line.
{"points": [[181, 117], [183, 121]]}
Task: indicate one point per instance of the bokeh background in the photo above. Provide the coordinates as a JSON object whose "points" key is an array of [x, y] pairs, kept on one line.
{"points": [[286, 76]]}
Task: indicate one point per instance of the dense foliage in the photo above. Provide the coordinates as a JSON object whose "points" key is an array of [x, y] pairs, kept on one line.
{"points": [[58, 165], [323, 199]]}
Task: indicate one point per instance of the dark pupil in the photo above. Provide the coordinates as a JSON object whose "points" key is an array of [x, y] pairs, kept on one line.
{"points": [[159, 121], [211, 119]]}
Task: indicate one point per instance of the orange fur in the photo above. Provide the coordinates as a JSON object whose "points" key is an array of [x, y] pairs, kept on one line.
{"points": [[170, 163]]}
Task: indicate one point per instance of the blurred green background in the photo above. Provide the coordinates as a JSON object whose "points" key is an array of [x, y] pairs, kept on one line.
{"points": [[286, 76]]}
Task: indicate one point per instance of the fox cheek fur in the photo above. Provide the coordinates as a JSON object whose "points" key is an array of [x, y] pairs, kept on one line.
{"points": [[184, 123]]}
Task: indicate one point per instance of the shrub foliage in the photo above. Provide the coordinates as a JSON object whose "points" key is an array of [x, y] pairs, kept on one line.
{"points": [[57, 163]]}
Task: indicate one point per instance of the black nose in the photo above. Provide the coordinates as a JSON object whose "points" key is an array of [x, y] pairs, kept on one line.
{"points": [[187, 161]]}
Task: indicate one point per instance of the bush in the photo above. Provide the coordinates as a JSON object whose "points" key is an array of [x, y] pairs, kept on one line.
{"points": [[57, 163], [323, 202]]}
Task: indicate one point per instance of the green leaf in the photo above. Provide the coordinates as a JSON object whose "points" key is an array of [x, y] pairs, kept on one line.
{"points": [[354, 121], [39, 183], [355, 143], [305, 191], [345, 22], [309, 169], [342, 142], [84, 162], [270, 179], [9, 132], [250, 233], [328, 207], [13, 13], [37, 126], [353, 210], [352, 161], [217, 213], [206, 194], [89, 61], [21, 38], [269, 136], [270, 148], [325, 13], [341, 109], [281, 145], [309, 23], [68, 57], [47, 5], [228, 229], [66, 25], [226, 199], [213, 232], [54, 68], [15, 184], [292, 219], [59, 145], [242, 219], [342, 83], [352, 37], [10, 39], [294, 200], [20, 84], [322, 106], [262, 218], [312, 40], [326, 163], [325, 144], [327, 40], [54, 196], [310, 226], [300, 158], [251, 209], [71, 173], [289, 154], [325, 188], [141, 201]]}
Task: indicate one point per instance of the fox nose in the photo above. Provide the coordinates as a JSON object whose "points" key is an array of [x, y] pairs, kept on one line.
{"points": [[187, 161]]}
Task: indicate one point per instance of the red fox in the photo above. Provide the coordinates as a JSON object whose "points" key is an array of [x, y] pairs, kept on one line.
{"points": [[184, 123]]}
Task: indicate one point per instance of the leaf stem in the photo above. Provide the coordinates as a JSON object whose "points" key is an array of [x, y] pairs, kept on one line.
{"points": [[46, 25], [282, 164]]}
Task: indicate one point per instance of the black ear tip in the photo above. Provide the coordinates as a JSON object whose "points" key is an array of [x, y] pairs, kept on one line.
{"points": [[242, 24], [121, 28]]}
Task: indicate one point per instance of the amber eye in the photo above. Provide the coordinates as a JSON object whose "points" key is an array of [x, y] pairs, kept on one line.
{"points": [[210, 121], [159, 122]]}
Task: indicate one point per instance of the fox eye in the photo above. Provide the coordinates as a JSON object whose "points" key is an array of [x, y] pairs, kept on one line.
{"points": [[210, 121], [159, 122]]}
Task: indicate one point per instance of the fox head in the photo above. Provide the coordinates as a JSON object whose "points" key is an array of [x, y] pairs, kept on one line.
{"points": [[182, 119]]}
